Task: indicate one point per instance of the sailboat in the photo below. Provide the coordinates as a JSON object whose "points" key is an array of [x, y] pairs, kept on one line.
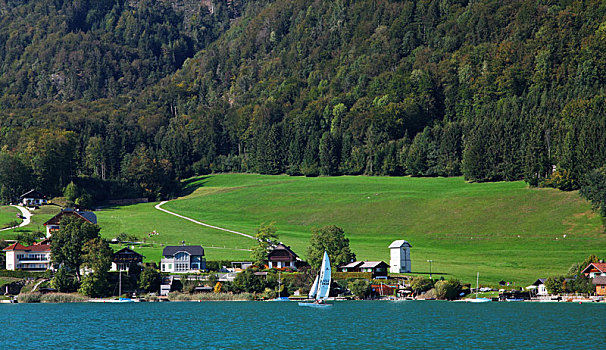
{"points": [[321, 287], [478, 300]]}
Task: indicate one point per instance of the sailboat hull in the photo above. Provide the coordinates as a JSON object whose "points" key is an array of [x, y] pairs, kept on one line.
{"points": [[320, 306]]}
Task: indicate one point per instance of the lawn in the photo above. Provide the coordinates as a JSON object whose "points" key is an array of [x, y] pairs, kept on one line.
{"points": [[504, 230], [7, 215], [141, 219], [39, 217]]}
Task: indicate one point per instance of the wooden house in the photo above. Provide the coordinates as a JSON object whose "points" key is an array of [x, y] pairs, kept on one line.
{"points": [[282, 257], [600, 285], [124, 258], [377, 268], [353, 266], [54, 223]]}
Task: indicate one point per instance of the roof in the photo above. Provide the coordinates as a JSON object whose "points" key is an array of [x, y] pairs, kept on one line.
{"points": [[352, 265], [601, 280], [372, 264], [539, 281], [171, 250], [14, 246], [399, 243], [127, 251], [32, 248], [86, 215], [598, 266], [33, 194], [283, 247]]}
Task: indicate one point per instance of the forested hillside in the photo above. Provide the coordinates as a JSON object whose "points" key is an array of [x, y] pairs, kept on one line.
{"points": [[488, 89]]}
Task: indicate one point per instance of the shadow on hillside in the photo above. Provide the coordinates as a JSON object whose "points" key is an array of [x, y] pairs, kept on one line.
{"points": [[190, 185]]}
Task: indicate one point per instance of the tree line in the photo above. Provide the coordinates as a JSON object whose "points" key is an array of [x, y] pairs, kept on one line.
{"points": [[488, 90]]}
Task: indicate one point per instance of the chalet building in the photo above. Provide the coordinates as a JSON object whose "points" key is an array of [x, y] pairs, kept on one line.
{"points": [[377, 268], [124, 258], [399, 256], [282, 257], [539, 286], [54, 223], [353, 266], [36, 257], [600, 285], [595, 269], [183, 259], [32, 198]]}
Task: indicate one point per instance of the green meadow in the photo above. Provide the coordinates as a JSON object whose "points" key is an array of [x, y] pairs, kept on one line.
{"points": [[503, 230], [7, 215]]}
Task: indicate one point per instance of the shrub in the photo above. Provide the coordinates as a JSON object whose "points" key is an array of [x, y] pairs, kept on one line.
{"points": [[26, 298], [360, 288], [448, 290], [176, 296], [62, 298]]}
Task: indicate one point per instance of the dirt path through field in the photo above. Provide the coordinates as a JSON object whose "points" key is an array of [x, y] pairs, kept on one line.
{"points": [[159, 207]]}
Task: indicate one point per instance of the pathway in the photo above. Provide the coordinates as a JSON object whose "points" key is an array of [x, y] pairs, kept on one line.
{"points": [[27, 217], [159, 205]]}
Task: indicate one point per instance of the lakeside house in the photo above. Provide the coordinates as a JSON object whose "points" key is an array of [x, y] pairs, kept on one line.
{"points": [[399, 260], [32, 198], [36, 257], [378, 269], [124, 258], [282, 257], [595, 269], [539, 285], [600, 285], [54, 223], [183, 259], [353, 266]]}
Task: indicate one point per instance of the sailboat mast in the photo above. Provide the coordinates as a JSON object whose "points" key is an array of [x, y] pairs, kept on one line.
{"points": [[477, 284]]}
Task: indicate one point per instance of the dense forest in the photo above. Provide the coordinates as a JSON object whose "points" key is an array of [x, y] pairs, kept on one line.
{"points": [[137, 94]]}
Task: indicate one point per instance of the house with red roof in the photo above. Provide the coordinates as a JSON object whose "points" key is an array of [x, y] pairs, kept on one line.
{"points": [[54, 223], [595, 269], [36, 257]]}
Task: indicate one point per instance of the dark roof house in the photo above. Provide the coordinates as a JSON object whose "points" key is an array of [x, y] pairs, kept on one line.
{"points": [[124, 258], [54, 223], [183, 259], [282, 257]]}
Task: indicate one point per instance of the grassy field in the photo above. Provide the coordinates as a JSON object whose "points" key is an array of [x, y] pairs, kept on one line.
{"points": [[8, 214], [503, 230], [39, 217], [141, 219]]}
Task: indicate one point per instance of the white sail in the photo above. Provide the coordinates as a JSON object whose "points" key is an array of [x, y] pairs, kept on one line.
{"points": [[324, 283], [314, 289]]}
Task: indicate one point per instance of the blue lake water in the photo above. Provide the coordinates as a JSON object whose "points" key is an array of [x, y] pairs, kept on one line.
{"points": [[285, 325]]}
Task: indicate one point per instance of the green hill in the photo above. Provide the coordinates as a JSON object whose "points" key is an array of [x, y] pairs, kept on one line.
{"points": [[504, 230]]}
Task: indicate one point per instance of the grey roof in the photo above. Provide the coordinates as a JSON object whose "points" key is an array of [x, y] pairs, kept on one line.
{"points": [[88, 215], [539, 281], [352, 265], [399, 243], [372, 264], [601, 280], [171, 250]]}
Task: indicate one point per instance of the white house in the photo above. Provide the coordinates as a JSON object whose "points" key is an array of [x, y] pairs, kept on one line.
{"points": [[540, 287], [36, 257], [399, 261], [183, 259], [33, 198]]}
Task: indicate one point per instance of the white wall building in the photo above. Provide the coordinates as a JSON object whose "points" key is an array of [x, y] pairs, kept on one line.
{"points": [[36, 257], [399, 261]]}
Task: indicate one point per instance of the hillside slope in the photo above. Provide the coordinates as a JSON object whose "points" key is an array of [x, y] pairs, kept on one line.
{"points": [[504, 230]]}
